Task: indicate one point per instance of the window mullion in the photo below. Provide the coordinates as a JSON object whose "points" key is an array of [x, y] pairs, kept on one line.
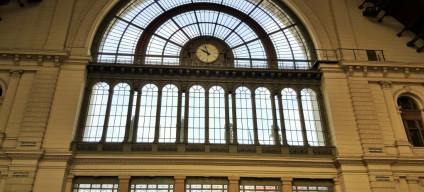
{"points": [[159, 107], [178, 134], [106, 123], [186, 109], [207, 116], [233, 100], [274, 121], [302, 120], [255, 123], [136, 118], [128, 124], [283, 126], [227, 119]]}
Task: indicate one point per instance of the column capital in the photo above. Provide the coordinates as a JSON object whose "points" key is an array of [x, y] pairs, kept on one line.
{"points": [[233, 178], [179, 177], [386, 84], [286, 179], [16, 73], [124, 177]]}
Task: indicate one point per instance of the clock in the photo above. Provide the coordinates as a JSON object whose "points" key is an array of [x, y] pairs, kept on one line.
{"points": [[207, 53]]}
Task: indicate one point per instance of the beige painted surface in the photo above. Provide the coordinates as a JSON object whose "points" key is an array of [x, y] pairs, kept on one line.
{"points": [[359, 98]]}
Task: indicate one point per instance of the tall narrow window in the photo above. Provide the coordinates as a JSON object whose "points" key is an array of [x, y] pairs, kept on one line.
{"points": [[168, 114], [412, 121], [147, 115], [196, 115], [312, 118], [291, 117], [118, 113], [96, 112], [264, 116], [245, 133], [216, 115]]}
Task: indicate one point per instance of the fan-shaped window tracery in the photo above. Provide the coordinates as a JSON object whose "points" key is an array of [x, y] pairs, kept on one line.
{"points": [[260, 34]]}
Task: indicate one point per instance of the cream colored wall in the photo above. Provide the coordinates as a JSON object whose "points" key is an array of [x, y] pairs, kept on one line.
{"points": [[44, 48]]}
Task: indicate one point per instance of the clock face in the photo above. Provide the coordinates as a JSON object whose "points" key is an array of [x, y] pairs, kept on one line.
{"points": [[207, 53]]}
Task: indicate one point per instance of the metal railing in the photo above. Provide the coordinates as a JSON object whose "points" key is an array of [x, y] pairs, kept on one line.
{"points": [[343, 54]]}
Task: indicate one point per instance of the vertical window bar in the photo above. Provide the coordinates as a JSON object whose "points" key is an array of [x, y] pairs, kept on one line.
{"points": [[179, 117], [264, 116], [312, 118], [168, 117], [207, 136], [233, 119], [244, 116], [302, 120], [118, 113], [96, 112], [276, 131], [196, 116], [130, 121], [291, 117], [135, 115], [147, 115], [281, 119], [217, 115], [183, 121]]}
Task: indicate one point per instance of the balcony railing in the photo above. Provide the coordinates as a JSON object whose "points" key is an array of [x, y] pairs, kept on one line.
{"points": [[342, 54]]}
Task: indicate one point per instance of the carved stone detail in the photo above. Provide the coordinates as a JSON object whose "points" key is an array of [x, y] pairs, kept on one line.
{"points": [[386, 84]]}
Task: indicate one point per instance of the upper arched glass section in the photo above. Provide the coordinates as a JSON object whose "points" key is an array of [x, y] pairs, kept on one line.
{"points": [[260, 33]]}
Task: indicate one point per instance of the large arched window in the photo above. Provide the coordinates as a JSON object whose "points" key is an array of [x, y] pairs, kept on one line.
{"points": [[202, 76], [251, 34], [412, 120]]}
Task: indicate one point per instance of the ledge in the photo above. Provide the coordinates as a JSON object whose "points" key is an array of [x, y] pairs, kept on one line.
{"points": [[201, 149]]}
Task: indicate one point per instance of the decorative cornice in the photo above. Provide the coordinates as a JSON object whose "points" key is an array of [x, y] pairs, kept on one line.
{"points": [[383, 67], [38, 56], [132, 70], [327, 163], [18, 154]]}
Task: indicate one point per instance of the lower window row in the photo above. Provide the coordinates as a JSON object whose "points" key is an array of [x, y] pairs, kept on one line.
{"points": [[200, 184]]}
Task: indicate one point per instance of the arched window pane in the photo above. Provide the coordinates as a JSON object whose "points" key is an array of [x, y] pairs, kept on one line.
{"points": [[291, 117], [312, 118], [168, 114], [118, 113], [147, 115], [412, 120], [264, 116], [245, 133], [216, 115], [96, 112], [196, 115]]}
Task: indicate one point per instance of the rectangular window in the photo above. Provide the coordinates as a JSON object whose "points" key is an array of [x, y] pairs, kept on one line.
{"points": [[95, 184], [206, 185], [315, 185], [152, 184], [260, 185]]}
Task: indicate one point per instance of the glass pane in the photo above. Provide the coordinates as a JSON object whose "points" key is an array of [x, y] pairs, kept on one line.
{"points": [[96, 112], [147, 114], [264, 116], [196, 115], [118, 113], [216, 115], [291, 117], [168, 114], [244, 109], [312, 118]]}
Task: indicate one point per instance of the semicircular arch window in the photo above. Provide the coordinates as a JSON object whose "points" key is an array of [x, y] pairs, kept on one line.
{"points": [[251, 34]]}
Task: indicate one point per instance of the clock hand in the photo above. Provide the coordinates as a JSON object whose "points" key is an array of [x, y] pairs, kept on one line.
{"points": [[207, 52]]}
